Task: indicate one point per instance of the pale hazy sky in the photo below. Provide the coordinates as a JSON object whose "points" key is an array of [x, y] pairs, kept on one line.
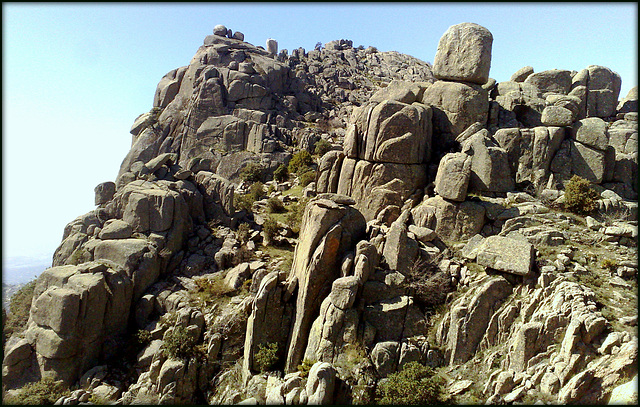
{"points": [[75, 76]]}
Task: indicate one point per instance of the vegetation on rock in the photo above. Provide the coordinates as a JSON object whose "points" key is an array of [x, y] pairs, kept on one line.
{"points": [[19, 307], [579, 196], [266, 356], [415, 384], [300, 162], [44, 391]]}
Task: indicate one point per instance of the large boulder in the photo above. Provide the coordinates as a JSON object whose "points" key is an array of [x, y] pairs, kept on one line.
{"points": [[505, 254], [104, 192], [464, 54], [76, 312], [455, 106], [390, 131], [452, 178], [553, 80], [530, 151], [490, 169], [453, 221], [374, 186], [330, 227], [463, 327], [268, 322], [603, 89]]}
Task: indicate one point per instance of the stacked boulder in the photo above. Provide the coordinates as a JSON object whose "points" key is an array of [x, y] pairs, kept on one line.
{"points": [[459, 98], [107, 259]]}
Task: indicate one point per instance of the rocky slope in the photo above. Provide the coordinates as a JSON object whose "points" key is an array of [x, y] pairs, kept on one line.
{"points": [[435, 231]]}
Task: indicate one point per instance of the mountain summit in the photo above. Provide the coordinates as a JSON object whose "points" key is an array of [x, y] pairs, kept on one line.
{"points": [[343, 225]]}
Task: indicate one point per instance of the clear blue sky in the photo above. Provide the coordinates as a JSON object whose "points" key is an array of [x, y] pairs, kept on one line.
{"points": [[75, 76]]}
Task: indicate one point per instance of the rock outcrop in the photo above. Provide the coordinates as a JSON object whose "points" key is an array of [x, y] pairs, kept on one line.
{"points": [[430, 227]]}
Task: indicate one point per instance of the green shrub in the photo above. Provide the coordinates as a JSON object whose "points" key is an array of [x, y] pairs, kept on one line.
{"points": [[274, 205], [179, 344], [243, 232], [243, 202], [19, 308], [252, 172], [300, 162], [266, 356], [305, 367], [143, 336], [579, 196], [307, 178], [414, 384], [610, 265], [256, 192], [270, 228], [45, 391], [294, 216], [281, 173], [322, 147]]}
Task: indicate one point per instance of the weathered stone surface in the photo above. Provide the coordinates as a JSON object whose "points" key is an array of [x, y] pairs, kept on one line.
{"points": [[395, 318], [452, 178], [553, 80], [385, 356], [390, 132], [556, 116], [521, 74], [465, 325], [269, 320], [329, 172], [375, 186], [490, 169], [104, 192], [505, 254], [455, 106], [329, 229], [399, 91], [603, 89], [587, 162], [630, 102], [591, 132], [530, 151], [321, 383], [116, 229], [464, 54], [450, 220], [400, 250]]}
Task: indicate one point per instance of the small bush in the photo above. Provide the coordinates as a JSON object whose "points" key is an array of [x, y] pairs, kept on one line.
{"points": [[414, 384], [243, 232], [274, 205], [256, 192], [252, 172], [45, 391], [294, 216], [281, 173], [305, 367], [19, 308], [179, 344], [579, 197], [143, 336], [266, 356], [307, 178], [270, 228], [322, 147], [300, 162], [243, 202], [610, 265]]}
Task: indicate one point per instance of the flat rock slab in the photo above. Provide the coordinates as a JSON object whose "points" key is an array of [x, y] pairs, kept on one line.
{"points": [[506, 254]]}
